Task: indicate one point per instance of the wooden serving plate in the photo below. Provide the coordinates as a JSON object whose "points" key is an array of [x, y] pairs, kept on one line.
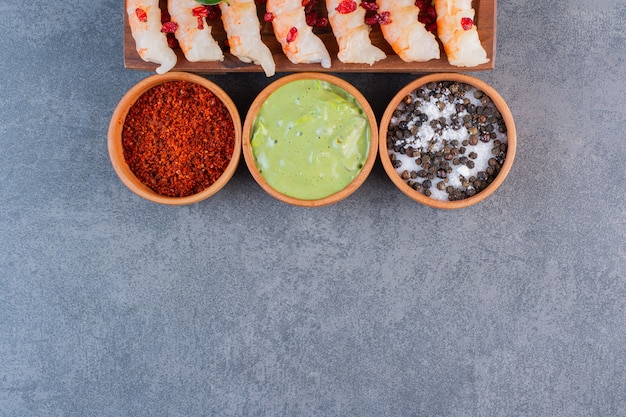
{"points": [[485, 19]]}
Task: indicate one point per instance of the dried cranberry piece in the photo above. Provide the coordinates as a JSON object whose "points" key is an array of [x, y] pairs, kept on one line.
{"points": [[371, 20], [141, 15], [369, 5], [384, 18], [268, 17], [169, 27], [200, 11], [322, 22], [311, 18], [209, 12], [292, 35], [467, 23], [346, 6]]}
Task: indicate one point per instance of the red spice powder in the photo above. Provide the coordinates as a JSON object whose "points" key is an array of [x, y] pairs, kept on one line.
{"points": [[178, 138]]}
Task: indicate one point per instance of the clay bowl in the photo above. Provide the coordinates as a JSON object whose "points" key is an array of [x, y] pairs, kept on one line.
{"points": [[409, 162], [368, 156], [116, 147]]}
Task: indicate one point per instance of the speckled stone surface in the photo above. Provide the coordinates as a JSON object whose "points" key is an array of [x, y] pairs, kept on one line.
{"points": [[376, 306]]}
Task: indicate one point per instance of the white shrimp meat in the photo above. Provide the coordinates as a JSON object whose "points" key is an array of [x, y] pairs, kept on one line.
{"points": [[352, 34], [241, 23], [299, 44], [457, 31], [144, 18], [405, 33], [193, 32]]}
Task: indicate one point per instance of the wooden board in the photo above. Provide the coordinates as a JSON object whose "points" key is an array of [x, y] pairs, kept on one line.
{"points": [[485, 19]]}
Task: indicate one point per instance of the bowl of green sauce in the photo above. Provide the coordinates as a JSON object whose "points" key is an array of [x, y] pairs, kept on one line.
{"points": [[310, 139]]}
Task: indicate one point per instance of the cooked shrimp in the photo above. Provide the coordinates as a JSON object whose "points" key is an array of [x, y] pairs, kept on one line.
{"points": [[457, 31], [193, 32], [299, 43], [407, 36], [144, 18], [352, 34], [242, 26]]}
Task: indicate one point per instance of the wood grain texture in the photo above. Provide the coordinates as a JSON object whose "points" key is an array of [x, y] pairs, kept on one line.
{"points": [[485, 19]]}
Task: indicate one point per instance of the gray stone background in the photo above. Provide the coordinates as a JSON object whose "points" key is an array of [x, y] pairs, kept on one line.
{"points": [[376, 306]]}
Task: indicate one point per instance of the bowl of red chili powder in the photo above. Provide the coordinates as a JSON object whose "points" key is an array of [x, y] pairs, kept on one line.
{"points": [[175, 138]]}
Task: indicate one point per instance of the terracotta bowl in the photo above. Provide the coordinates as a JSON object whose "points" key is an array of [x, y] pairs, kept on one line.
{"points": [[369, 159], [116, 148], [479, 194]]}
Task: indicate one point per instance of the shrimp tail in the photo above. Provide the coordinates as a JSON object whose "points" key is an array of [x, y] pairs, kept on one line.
{"points": [[352, 34], [457, 31], [242, 26], [193, 32], [144, 18], [405, 33], [298, 42]]}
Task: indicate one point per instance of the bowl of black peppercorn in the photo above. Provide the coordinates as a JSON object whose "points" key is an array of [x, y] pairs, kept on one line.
{"points": [[447, 140]]}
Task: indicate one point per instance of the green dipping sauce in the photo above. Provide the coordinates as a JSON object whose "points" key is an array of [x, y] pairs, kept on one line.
{"points": [[310, 139]]}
